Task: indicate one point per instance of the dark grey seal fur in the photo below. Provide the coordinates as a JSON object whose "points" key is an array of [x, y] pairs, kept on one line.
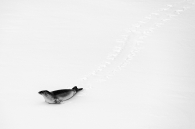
{"points": [[58, 96]]}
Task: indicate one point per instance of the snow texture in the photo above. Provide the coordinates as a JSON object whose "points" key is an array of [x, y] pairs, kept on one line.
{"points": [[135, 60]]}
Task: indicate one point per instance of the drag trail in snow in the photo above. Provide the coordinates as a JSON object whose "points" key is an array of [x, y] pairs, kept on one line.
{"points": [[50, 45]]}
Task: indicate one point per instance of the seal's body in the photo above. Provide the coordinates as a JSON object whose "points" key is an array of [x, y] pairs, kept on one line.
{"points": [[58, 96]]}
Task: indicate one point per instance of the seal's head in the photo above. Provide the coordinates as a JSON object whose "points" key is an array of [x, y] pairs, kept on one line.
{"points": [[43, 92], [48, 96]]}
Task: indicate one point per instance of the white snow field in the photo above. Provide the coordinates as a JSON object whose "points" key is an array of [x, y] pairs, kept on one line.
{"points": [[135, 60]]}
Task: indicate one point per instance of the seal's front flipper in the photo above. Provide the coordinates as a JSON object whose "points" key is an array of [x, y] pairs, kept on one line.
{"points": [[57, 101], [77, 89]]}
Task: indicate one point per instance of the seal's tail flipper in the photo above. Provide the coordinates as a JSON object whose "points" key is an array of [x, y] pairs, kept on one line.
{"points": [[77, 89]]}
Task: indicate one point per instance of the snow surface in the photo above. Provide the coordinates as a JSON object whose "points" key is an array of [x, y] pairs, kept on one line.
{"points": [[50, 45]]}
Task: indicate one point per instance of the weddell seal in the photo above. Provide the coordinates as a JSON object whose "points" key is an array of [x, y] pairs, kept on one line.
{"points": [[58, 96]]}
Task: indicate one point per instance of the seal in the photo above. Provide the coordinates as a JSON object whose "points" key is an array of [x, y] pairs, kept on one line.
{"points": [[58, 96]]}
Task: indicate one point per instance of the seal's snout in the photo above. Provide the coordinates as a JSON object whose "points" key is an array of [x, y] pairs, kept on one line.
{"points": [[39, 92], [42, 92]]}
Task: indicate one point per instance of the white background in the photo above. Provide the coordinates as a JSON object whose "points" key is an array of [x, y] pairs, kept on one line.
{"points": [[49, 45]]}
